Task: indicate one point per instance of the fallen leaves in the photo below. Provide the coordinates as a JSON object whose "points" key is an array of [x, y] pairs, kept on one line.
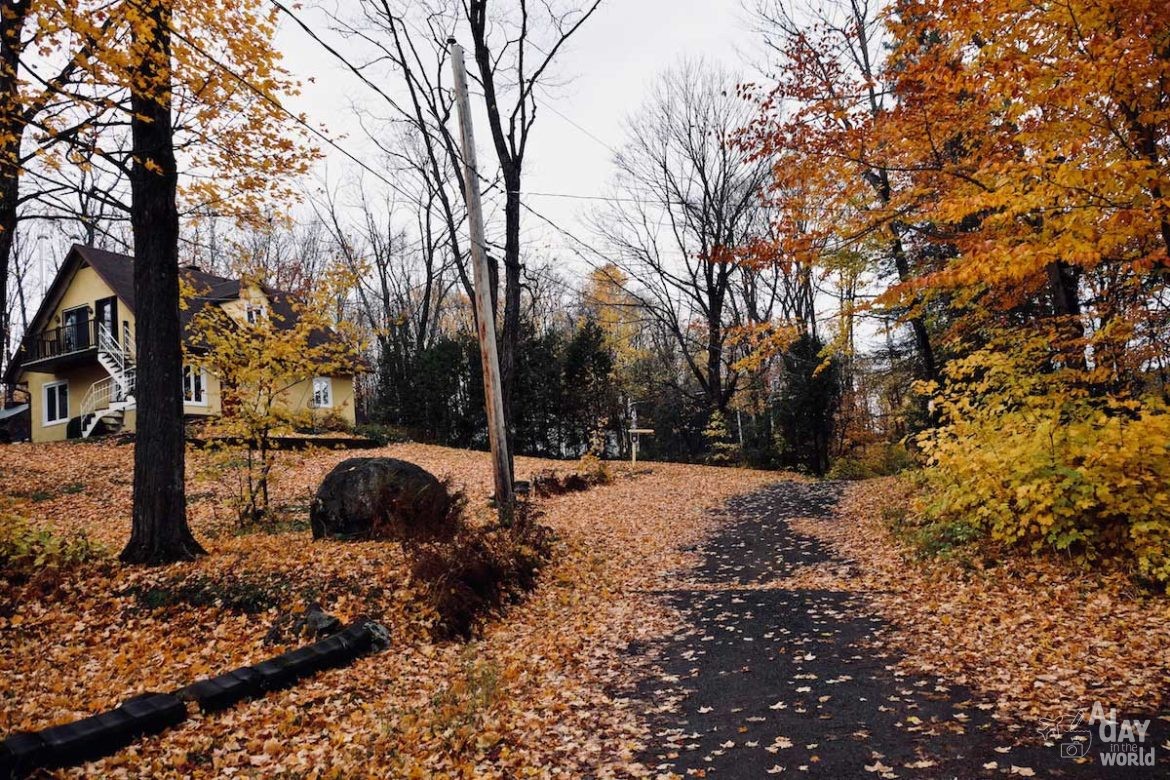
{"points": [[1038, 636], [923, 763], [541, 689]]}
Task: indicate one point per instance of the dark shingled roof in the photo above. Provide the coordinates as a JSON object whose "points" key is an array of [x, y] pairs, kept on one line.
{"points": [[118, 272]]}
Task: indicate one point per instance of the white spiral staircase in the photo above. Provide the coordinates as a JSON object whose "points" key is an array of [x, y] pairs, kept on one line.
{"points": [[108, 399]]}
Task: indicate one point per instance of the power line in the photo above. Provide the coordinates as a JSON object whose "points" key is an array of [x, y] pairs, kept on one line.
{"points": [[338, 55], [300, 121], [593, 137], [296, 118], [553, 109], [349, 155], [365, 80], [573, 196], [393, 103]]}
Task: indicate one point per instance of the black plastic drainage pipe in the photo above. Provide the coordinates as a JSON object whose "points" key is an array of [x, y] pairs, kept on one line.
{"points": [[108, 732]]}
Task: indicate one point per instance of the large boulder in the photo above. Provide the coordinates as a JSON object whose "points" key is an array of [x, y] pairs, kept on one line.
{"points": [[382, 498]]}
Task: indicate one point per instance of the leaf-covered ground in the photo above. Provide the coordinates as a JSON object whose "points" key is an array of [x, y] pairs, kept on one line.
{"points": [[540, 694], [1040, 635], [551, 689]]}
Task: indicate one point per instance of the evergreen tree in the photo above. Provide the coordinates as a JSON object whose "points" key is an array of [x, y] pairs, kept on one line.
{"points": [[807, 405]]}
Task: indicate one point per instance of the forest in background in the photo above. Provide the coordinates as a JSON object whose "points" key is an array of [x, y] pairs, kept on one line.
{"points": [[937, 234]]}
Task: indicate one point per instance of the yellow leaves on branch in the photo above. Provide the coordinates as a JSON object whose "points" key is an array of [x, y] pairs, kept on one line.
{"points": [[1037, 459], [295, 340], [259, 363], [238, 148], [762, 342]]}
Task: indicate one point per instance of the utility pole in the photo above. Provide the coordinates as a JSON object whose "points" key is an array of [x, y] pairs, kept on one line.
{"points": [[485, 316]]}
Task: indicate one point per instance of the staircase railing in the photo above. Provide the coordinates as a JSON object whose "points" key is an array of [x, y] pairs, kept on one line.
{"points": [[101, 395], [104, 393], [121, 354], [105, 396], [117, 359]]}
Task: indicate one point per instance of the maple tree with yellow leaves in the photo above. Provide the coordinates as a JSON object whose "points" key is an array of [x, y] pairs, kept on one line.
{"points": [[65, 75], [258, 365]]}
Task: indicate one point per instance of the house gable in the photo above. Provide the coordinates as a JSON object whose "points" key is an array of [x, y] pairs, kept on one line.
{"points": [[78, 282]]}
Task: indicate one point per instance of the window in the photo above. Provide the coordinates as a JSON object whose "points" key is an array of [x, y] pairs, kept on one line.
{"points": [[322, 393], [56, 402], [194, 386], [255, 313]]}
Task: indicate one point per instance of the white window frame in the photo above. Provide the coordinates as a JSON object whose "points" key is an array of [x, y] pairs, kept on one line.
{"points": [[190, 371], [57, 402], [255, 313], [327, 383]]}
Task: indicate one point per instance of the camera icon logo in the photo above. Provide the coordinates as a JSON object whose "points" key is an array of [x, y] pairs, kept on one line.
{"points": [[1076, 748], [1073, 735]]}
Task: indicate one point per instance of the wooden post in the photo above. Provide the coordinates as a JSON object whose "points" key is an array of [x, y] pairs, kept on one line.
{"points": [[633, 436], [485, 316]]}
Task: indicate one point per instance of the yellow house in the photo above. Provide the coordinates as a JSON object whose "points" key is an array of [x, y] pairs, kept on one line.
{"points": [[77, 361]]}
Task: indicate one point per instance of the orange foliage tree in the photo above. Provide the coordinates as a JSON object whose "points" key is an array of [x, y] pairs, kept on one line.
{"points": [[1009, 161], [1034, 141], [198, 84]]}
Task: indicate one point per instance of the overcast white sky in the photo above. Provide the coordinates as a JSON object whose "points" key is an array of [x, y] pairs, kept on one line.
{"points": [[607, 70]]}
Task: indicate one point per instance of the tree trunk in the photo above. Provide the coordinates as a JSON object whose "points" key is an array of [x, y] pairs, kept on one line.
{"points": [[12, 124], [1063, 281], [917, 324], [715, 399], [9, 192], [159, 533], [510, 337], [881, 182]]}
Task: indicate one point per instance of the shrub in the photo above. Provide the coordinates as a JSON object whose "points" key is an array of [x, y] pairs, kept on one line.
{"points": [[327, 422], [942, 538], [594, 470], [880, 459], [27, 551], [475, 575], [591, 471], [1041, 460], [723, 450], [382, 435]]}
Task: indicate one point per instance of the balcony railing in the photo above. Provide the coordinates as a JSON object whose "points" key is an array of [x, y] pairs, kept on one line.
{"points": [[68, 339]]}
